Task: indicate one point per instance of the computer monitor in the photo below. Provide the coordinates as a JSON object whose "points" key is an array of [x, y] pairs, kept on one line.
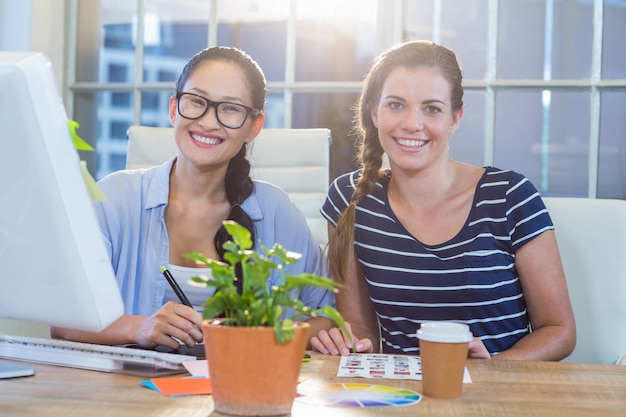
{"points": [[54, 267]]}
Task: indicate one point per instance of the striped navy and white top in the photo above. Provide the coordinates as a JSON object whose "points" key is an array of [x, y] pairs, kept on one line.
{"points": [[470, 279]]}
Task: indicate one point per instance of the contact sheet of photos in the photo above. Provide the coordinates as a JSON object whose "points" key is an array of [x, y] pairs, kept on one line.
{"points": [[380, 366]]}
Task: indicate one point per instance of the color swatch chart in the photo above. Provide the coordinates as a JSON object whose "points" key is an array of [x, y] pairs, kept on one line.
{"points": [[357, 395]]}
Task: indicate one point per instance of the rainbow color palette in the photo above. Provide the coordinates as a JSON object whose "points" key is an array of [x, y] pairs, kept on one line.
{"points": [[357, 395]]}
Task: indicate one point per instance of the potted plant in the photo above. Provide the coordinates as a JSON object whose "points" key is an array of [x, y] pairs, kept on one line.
{"points": [[254, 352]]}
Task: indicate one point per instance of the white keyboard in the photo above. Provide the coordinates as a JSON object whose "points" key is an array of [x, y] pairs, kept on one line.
{"points": [[118, 359]]}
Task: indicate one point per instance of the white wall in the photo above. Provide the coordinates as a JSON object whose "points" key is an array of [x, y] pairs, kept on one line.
{"points": [[48, 32], [35, 25], [14, 25]]}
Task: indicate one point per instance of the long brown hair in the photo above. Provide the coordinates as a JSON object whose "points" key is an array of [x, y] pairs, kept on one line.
{"points": [[411, 54]]}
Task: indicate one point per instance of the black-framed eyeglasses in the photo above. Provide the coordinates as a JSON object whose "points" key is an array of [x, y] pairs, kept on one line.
{"points": [[231, 115]]}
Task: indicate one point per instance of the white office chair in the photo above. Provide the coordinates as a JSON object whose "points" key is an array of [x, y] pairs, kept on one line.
{"points": [[591, 234], [297, 160]]}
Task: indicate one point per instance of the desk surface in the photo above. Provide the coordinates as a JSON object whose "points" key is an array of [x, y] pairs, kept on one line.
{"points": [[499, 388]]}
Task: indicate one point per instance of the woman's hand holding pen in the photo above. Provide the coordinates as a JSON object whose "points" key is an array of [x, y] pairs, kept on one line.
{"points": [[335, 342], [171, 322]]}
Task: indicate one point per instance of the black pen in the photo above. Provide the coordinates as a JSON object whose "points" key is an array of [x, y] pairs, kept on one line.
{"points": [[179, 292]]}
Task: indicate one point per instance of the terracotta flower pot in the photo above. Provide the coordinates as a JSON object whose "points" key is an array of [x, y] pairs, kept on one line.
{"points": [[251, 373]]}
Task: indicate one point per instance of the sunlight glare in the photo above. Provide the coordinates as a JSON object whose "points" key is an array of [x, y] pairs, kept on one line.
{"points": [[362, 10], [260, 10]]}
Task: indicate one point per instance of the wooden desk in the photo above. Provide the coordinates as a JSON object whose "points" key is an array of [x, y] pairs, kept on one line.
{"points": [[499, 388]]}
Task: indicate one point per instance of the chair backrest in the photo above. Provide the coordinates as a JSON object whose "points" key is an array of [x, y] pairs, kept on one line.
{"points": [[591, 234], [296, 160]]}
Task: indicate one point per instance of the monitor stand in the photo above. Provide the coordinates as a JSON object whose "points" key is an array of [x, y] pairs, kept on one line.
{"points": [[14, 370]]}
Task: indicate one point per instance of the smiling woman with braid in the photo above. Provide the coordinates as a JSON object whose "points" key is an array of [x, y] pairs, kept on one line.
{"points": [[432, 238], [154, 217]]}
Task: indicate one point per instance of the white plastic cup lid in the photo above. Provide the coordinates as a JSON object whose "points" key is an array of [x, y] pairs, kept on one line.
{"points": [[444, 331]]}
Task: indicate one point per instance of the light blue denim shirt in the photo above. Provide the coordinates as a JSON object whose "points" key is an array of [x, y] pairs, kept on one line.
{"points": [[133, 225]]}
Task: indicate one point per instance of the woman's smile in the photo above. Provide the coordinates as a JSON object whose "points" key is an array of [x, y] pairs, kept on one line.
{"points": [[210, 140], [410, 143]]}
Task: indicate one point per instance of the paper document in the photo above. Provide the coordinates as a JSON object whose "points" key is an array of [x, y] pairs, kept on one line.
{"points": [[376, 365]]}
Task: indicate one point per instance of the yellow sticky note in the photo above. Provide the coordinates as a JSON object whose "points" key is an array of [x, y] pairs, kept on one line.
{"points": [[94, 191], [79, 143]]}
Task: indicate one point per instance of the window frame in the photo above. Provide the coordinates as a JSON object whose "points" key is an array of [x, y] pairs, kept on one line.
{"points": [[389, 31]]}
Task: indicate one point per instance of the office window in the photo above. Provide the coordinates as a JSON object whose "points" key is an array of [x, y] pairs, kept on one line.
{"points": [[118, 130], [333, 39], [468, 142], [330, 110], [167, 76], [150, 100], [557, 165], [543, 108], [155, 108], [117, 73], [612, 152], [100, 119], [116, 162], [556, 39], [120, 100], [545, 80], [460, 25], [613, 35]]}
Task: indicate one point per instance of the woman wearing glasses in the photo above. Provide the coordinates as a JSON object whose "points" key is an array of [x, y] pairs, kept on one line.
{"points": [[155, 216]]}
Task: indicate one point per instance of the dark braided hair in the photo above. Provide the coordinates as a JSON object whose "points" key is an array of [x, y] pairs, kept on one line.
{"points": [[411, 54], [239, 185]]}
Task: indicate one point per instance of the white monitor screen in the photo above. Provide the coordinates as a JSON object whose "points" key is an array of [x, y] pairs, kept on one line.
{"points": [[54, 267]]}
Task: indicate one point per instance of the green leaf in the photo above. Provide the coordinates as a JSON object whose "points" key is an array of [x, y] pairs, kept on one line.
{"points": [[241, 236], [214, 306], [285, 330], [307, 279]]}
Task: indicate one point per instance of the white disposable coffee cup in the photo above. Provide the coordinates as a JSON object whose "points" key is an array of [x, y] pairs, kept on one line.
{"points": [[443, 352]]}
